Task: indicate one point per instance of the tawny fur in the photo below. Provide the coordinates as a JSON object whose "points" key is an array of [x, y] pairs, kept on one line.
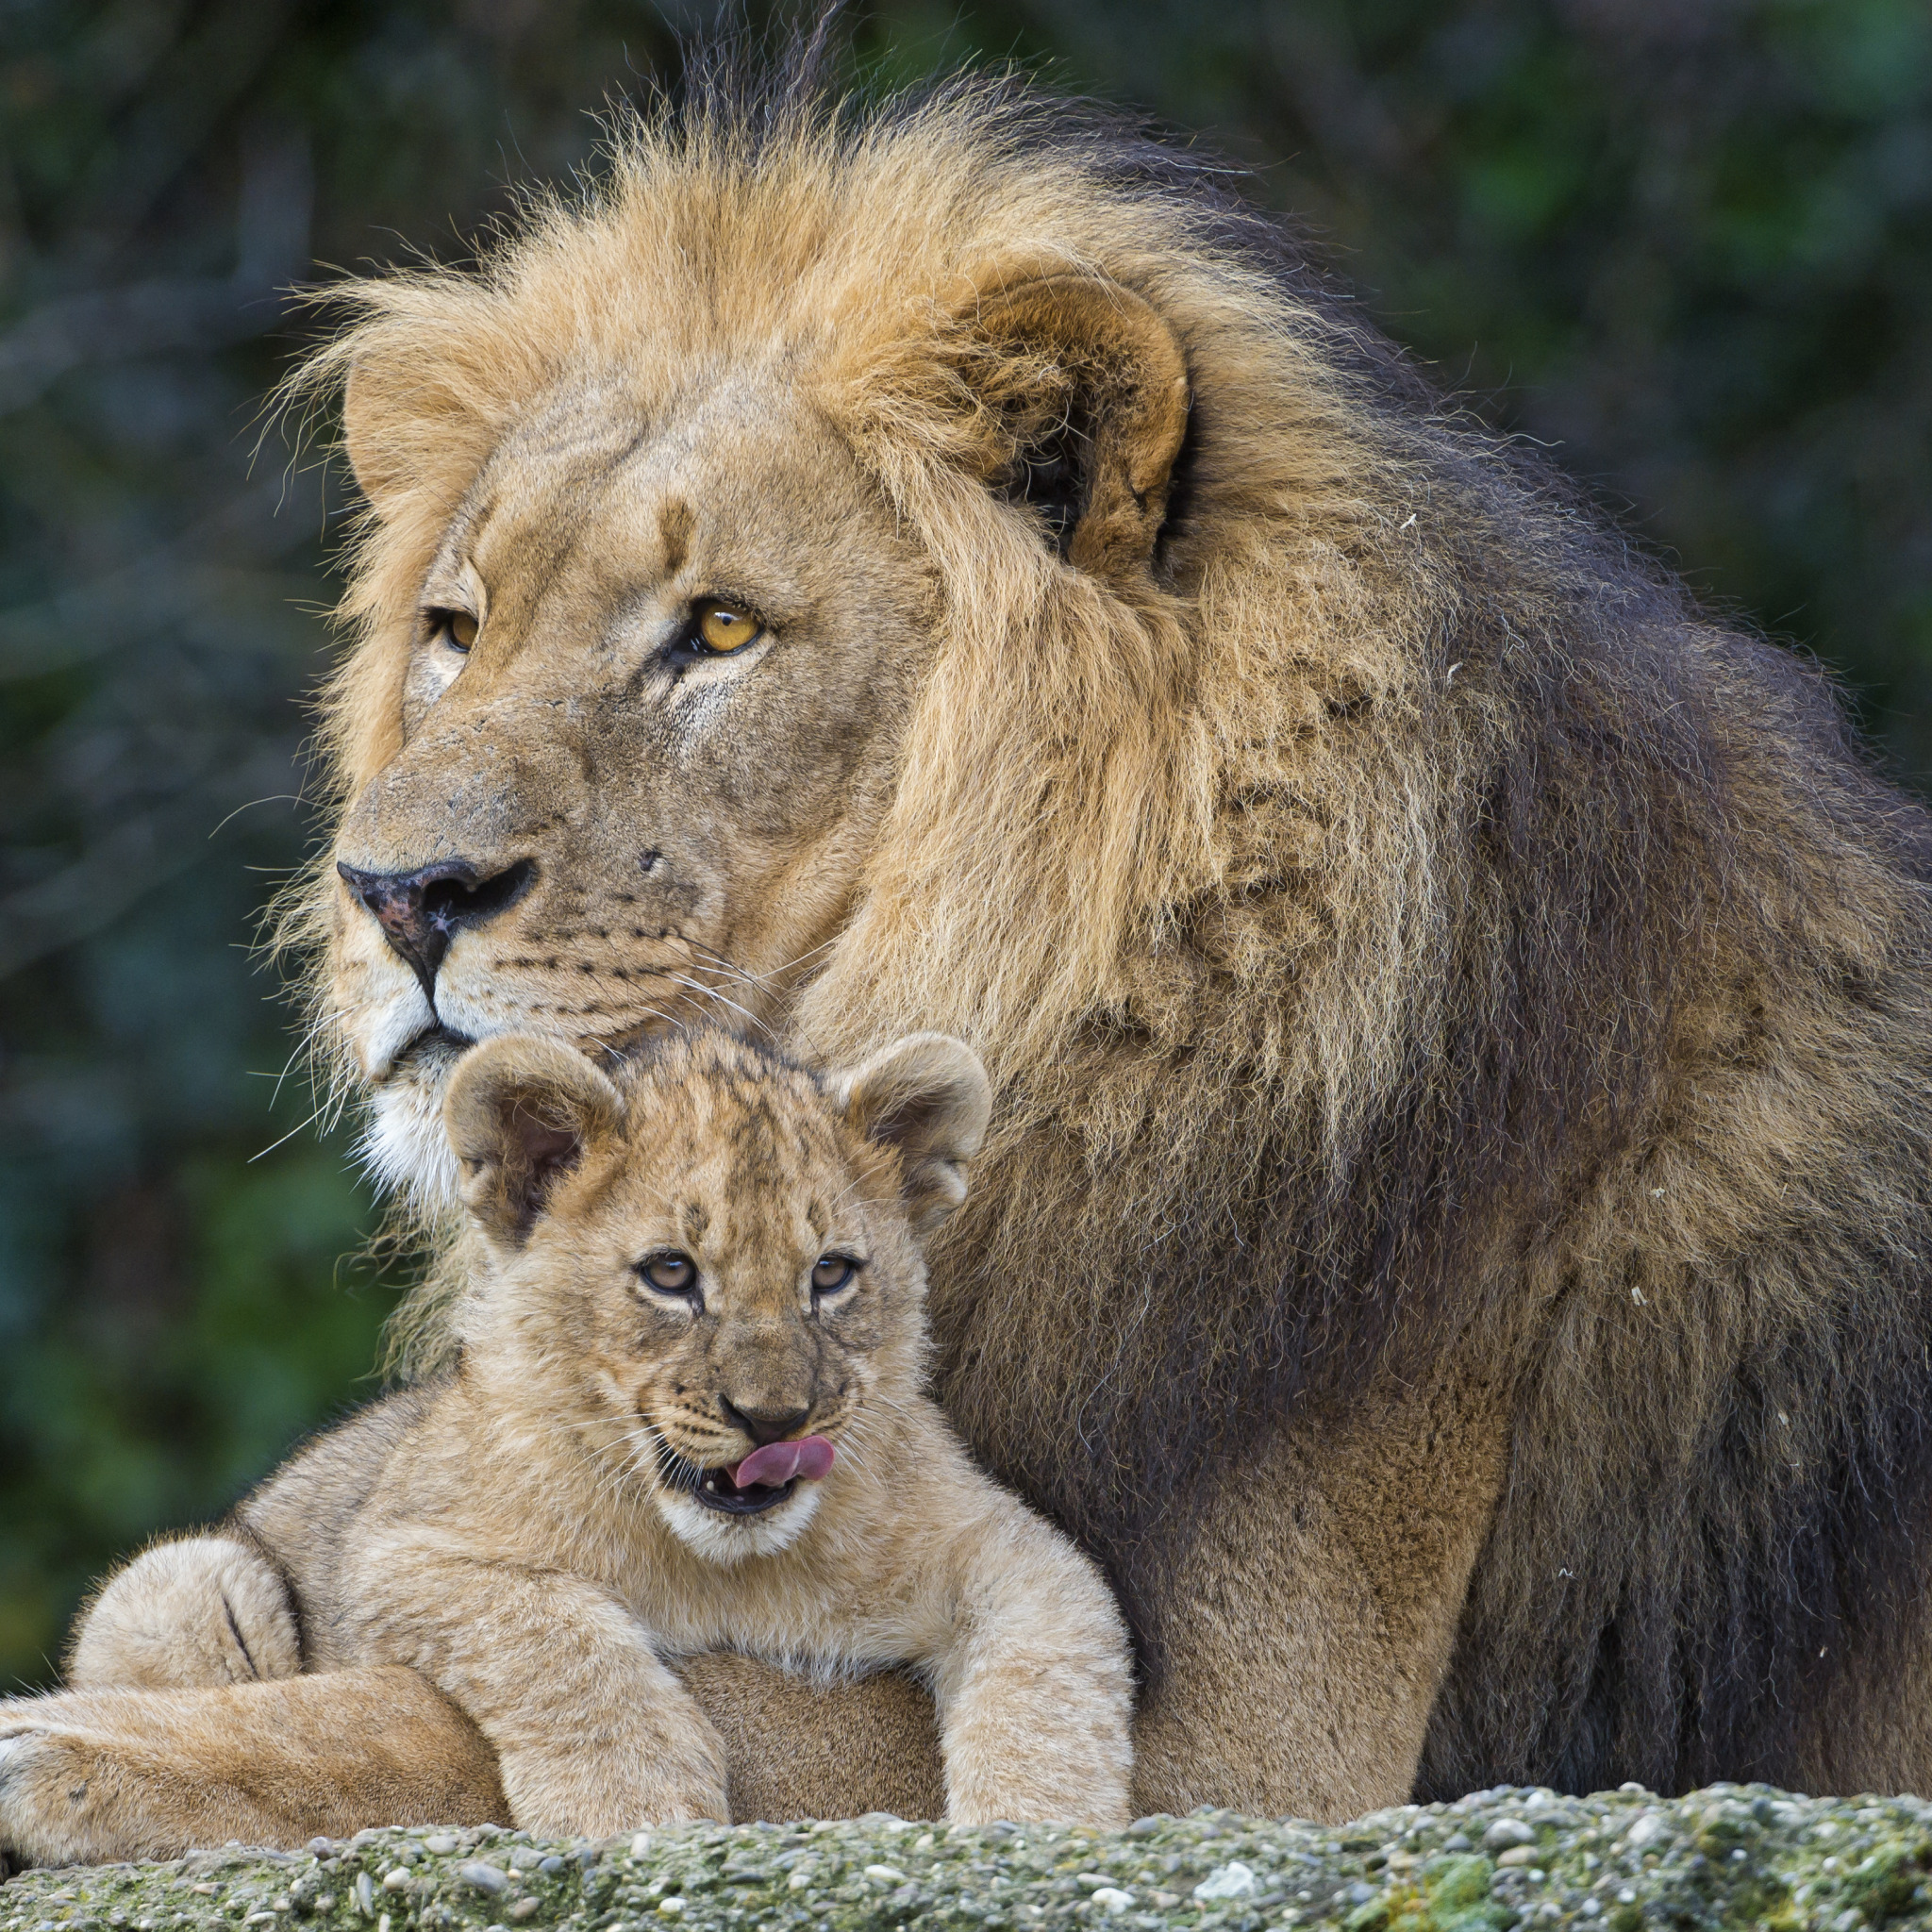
{"points": [[1458, 1226], [517, 1532]]}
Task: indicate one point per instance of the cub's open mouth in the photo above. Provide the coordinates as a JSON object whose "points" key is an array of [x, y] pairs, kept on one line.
{"points": [[716, 1490], [761, 1481]]}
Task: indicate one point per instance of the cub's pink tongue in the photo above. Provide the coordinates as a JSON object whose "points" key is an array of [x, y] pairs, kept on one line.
{"points": [[777, 1463]]}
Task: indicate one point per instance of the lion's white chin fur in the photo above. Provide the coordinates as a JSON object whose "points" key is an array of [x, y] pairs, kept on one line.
{"points": [[729, 1539], [404, 1147]]}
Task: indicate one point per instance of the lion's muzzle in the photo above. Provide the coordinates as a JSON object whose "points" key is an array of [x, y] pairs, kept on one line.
{"points": [[422, 911]]}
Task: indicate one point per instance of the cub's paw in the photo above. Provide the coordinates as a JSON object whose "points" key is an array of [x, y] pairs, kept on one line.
{"points": [[671, 1806], [574, 1807]]}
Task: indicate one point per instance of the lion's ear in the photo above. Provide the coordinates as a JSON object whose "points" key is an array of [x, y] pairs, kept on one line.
{"points": [[520, 1112], [927, 1095], [1094, 385], [406, 426]]}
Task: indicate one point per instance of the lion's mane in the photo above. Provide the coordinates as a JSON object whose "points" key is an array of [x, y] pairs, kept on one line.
{"points": [[1405, 924]]}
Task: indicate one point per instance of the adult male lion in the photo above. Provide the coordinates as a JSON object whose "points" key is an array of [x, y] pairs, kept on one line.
{"points": [[1456, 1237]]}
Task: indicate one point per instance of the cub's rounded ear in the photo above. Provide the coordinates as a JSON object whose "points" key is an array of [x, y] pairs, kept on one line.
{"points": [[1093, 386], [520, 1112], [929, 1096]]}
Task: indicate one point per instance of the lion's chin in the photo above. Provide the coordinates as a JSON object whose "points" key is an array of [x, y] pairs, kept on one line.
{"points": [[404, 1145]]}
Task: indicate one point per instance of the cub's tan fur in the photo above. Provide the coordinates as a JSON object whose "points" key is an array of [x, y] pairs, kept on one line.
{"points": [[1456, 1245], [525, 1532]]}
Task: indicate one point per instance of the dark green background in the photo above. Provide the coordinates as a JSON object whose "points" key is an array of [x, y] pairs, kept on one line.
{"points": [[1687, 241]]}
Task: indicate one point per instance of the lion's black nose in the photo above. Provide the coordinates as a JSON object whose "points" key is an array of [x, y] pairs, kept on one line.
{"points": [[421, 911], [763, 1425]]}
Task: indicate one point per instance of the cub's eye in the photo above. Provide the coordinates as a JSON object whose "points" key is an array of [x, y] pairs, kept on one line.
{"points": [[831, 1273], [454, 628], [723, 629], [669, 1272]]}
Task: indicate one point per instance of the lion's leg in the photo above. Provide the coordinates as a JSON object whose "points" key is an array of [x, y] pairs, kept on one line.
{"points": [[193, 1613], [1307, 1641], [91, 1776], [1311, 1633], [1870, 1723], [1312, 1622], [794, 1749]]}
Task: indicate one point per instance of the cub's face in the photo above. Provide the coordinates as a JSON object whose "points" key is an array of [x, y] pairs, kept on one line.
{"points": [[712, 1258]]}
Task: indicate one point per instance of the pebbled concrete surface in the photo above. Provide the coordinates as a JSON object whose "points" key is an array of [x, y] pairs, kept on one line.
{"points": [[1732, 1857]]}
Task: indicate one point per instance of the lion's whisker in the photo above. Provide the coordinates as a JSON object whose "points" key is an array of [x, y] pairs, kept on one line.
{"points": [[712, 993]]}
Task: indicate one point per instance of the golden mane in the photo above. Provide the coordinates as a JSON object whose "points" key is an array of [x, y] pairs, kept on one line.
{"points": [[1103, 741], [1347, 915]]}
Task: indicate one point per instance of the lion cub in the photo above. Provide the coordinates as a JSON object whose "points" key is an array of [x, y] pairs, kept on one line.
{"points": [[688, 1416]]}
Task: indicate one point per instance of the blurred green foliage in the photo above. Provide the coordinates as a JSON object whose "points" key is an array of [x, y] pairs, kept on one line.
{"points": [[1689, 242]]}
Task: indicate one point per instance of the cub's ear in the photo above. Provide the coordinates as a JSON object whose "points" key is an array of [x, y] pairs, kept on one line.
{"points": [[1093, 386], [929, 1096], [519, 1112]]}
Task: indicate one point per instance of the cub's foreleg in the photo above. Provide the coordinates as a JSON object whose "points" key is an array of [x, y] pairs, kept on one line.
{"points": [[91, 1776], [201, 1611], [1035, 1691], [593, 1734]]}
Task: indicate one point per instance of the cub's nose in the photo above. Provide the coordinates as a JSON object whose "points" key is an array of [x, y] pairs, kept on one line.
{"points": [[421, 911], [763, 1425]]}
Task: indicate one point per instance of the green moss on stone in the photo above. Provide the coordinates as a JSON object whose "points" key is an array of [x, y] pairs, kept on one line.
{"points": [[1721, 1861]]}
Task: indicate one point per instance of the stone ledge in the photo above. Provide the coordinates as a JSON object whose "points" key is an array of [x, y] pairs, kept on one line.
{"points": [[1732, 1857]]}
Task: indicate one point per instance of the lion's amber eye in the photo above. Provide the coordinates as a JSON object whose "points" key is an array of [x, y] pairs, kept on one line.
{"points": [[457, 629], [669, 1272], [832, 1273], [724, 628]]}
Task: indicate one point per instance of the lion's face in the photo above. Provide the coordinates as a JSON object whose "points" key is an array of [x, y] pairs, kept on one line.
{"points": [[701, 1273], [649, 717]]}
